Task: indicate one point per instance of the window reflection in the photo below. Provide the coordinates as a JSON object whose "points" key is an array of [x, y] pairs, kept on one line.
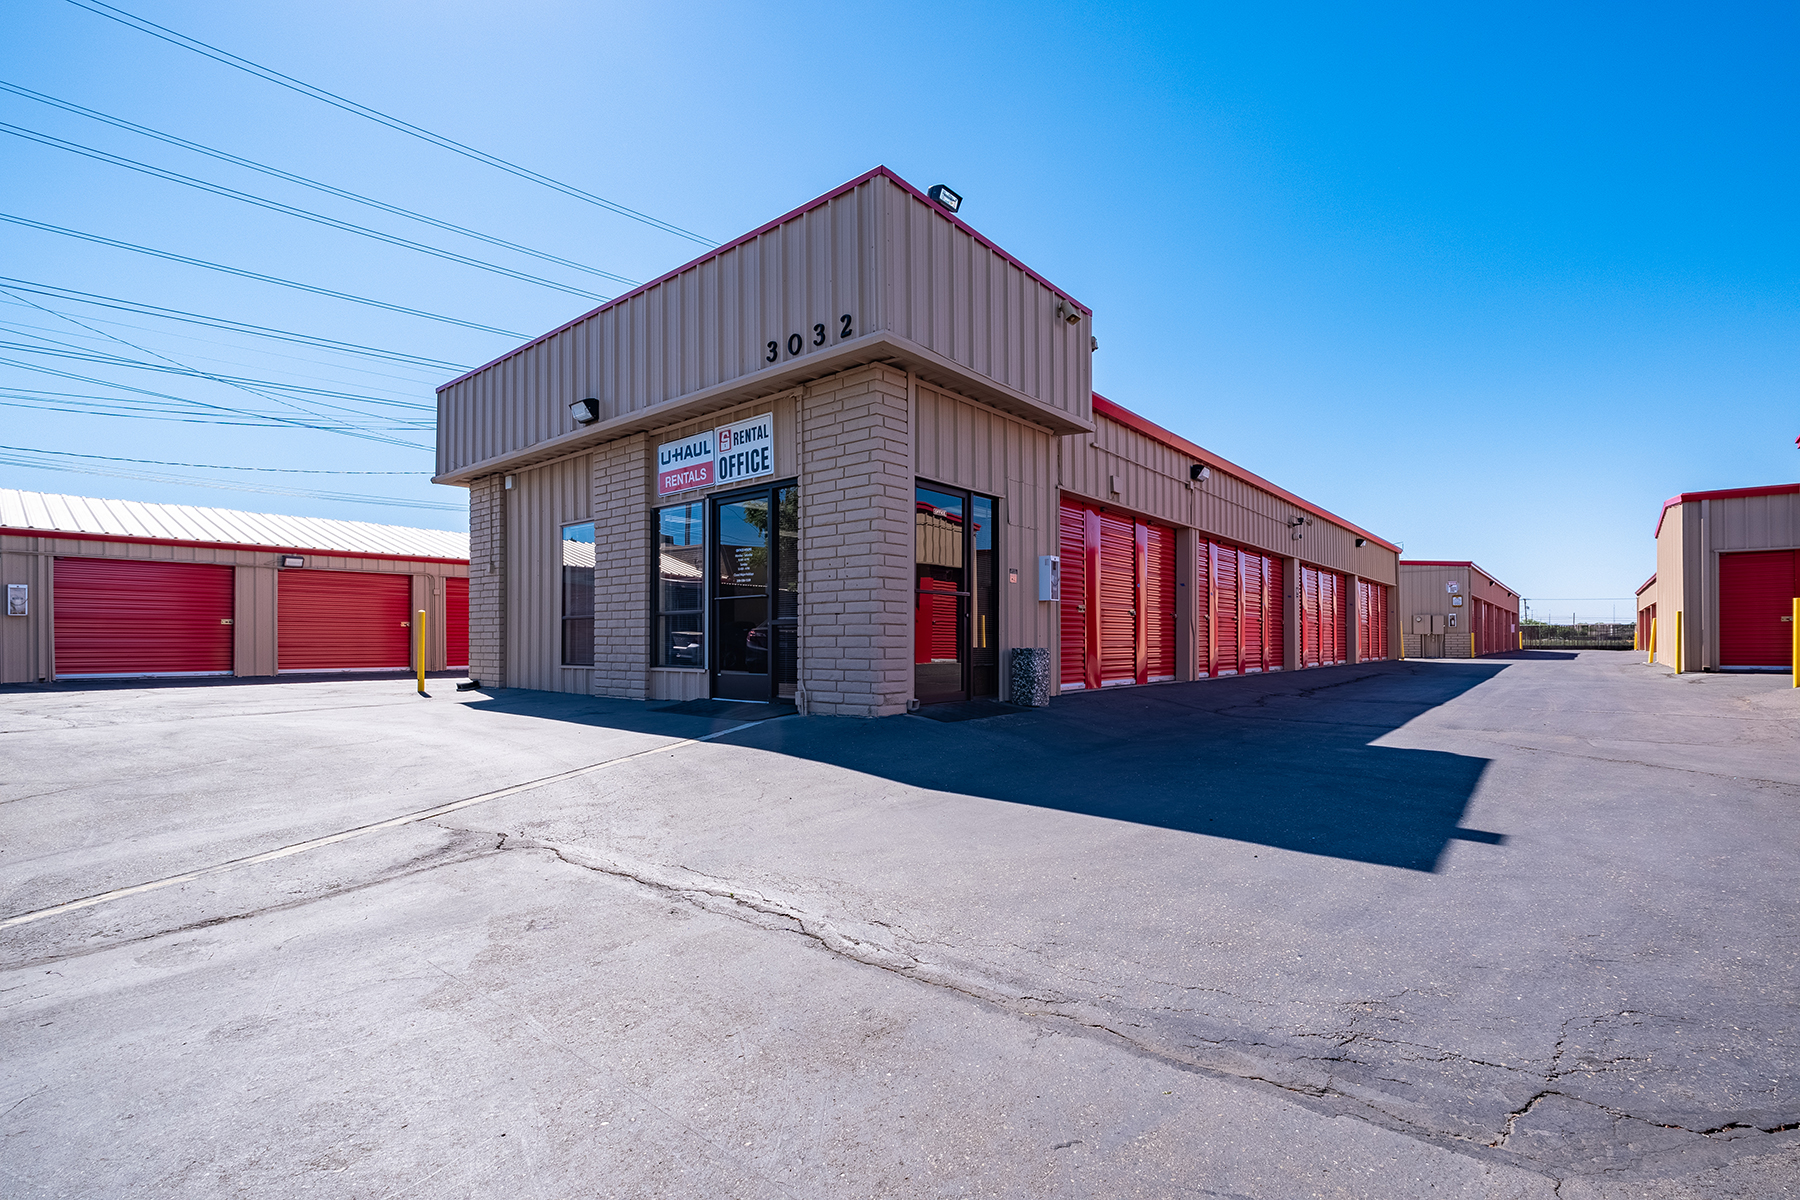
{"points": [[577, 559], [681, 586]]}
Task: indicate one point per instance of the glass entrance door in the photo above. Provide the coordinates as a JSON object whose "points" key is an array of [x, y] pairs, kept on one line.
{"points": [[955, 625], [755, 593]]}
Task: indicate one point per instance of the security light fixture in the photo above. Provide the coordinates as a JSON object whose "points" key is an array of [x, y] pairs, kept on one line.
{"points": [[1361, 542], [1297, 521], [1068, 312], [585, 412], [1200, 472], [293, 560], [944, 198]]}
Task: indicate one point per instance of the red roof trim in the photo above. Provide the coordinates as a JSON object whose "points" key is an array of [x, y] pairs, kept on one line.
{"points": [[1433, 562], [16, 531], [1124, 416], [1645, 584], [1773, 489], [833, 194]]}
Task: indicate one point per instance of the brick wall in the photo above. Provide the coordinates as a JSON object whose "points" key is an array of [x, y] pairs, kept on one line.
{"points": [[622, 568], [856, 545], [487, 581]]}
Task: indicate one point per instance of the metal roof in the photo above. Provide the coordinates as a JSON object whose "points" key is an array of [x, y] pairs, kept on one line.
{"points": [[45, 513]]}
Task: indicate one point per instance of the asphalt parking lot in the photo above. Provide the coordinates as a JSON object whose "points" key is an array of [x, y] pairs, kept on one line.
{"points": [[1521, 926]]}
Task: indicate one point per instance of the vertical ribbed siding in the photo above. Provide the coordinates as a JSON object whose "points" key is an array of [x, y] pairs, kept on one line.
{"points": [[887, 259], [540, 503]]}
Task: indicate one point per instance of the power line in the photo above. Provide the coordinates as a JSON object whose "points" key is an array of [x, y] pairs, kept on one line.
{"points": [[101, 9], [114, 408], [287, 283], [305, 215], [304, 181], [117, 360], [157, 462], [175, 314], [230, 486]]}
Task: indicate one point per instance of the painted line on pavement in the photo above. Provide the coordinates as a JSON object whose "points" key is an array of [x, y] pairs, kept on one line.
{"points": [[361, 830]]}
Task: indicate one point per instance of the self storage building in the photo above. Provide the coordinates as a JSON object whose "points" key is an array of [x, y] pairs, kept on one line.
{"points": [[1455, 610], [1727, 572], [850, 460], [116, 588]]}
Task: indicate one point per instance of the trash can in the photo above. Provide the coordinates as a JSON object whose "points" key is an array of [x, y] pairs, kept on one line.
{"points": [[1030, 677]]}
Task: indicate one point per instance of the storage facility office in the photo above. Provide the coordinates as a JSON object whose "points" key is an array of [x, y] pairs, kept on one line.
{"points": [[851, 459], [123, 589], [1728, 566]]}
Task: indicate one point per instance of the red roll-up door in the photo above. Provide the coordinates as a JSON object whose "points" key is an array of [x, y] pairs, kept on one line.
{"points": [[1274, 613], [1159, 603], [1250, 611], [1309, 617], [343, 621], [1756, 597], [1371, 618], [1203, 614], [456, 622], [1228, 608], [118, 616], [1331, 618], [1072, 546], [1118, 601]]}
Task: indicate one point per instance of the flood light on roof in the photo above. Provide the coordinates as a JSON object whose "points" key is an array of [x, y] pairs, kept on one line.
{"points": [[293, 560], [944, 198], [585, 412]]}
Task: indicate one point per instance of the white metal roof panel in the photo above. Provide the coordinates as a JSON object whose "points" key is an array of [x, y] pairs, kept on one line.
{"points": [[188, 523]]}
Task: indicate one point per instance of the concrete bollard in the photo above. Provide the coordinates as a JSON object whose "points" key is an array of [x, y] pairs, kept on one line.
{"points": [[1030, 677]]}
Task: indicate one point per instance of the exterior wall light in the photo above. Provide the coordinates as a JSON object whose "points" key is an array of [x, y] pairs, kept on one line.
{"points": [[1361, 542], [292, 560], [585, 412], [1199, 472], [1068, 312], [944, 198]]}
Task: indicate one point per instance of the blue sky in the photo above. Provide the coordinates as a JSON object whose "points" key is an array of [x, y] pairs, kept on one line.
{"points": [[1491, 283]]}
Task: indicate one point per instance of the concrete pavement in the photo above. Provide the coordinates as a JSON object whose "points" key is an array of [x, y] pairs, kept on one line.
{"points": [[1438, 928]]}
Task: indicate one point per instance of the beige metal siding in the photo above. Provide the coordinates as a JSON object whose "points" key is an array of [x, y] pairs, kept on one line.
{"points": [[1753, 523], [899, 267], [1671, 581], [26, 652], [969, 445], [1152, 479], [540, 502], [253, 634]]}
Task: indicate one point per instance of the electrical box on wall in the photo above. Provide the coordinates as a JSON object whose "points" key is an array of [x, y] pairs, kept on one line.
{"points": [[1437, 623], [1049, 577], [1421, 622]]}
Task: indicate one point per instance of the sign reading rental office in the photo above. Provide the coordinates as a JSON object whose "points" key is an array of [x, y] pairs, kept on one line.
{"points": [[729, 454]]}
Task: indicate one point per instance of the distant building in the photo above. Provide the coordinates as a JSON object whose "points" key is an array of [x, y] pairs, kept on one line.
{"points": [[119, 589], [1455, 610], [1727, 572]]}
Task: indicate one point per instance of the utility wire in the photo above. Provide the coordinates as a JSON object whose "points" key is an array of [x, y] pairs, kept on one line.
{"points": [[157, 462], [99, 8], [305, 215], [116, 360], [147, 410], [303, 181], [287, 283], [231, 486], [175, 314]]}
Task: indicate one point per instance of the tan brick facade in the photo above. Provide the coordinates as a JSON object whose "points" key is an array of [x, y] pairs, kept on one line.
{"points": [[622, 565], [856, 500], [487, 580]]}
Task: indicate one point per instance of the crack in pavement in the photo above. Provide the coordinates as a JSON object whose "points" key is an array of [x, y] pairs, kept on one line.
{"points": [[885, 950]]}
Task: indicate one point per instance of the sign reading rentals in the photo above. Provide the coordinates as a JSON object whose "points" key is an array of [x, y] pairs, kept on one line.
{"points": [[729, 454]]}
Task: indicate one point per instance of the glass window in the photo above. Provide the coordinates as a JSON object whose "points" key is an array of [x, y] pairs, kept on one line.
{"points": [[681, 586], [578, 595]]}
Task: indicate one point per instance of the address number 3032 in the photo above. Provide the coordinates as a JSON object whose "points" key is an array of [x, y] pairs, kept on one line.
{"points": [[796, 343]]}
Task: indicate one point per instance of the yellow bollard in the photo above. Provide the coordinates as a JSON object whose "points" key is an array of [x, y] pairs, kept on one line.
{"points": [[1796, 650], [1652, 657], [1678, 641], [420, 654]]}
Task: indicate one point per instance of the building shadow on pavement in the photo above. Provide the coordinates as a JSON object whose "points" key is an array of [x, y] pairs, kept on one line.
{"points": [[1282, 760]]}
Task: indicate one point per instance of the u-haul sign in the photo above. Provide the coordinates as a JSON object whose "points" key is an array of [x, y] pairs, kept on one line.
{"points": [[729, 454]]}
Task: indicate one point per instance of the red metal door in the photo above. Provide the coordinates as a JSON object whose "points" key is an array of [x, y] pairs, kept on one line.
{"points": [[1203, 614], [1118, 601], [1252, 597], [1309, 617], [1228, 608], [118, 616], [1756, 596], [456, 622], [1159, 603], [343, 621], [1274, 613], [1331, 617], [1073, 617]]}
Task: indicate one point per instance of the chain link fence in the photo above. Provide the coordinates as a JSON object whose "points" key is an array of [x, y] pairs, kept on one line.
{"points": [[1558, 623]]}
